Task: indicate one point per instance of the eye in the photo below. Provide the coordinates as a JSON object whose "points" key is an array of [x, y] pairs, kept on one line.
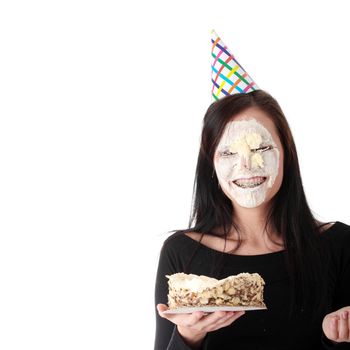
{"points": [[227, 154], [262, 149]]}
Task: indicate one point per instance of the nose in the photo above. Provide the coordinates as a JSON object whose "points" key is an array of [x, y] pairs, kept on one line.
{"points": [[245, 161]]}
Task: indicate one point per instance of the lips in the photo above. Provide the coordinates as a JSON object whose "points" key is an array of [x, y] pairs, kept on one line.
{"points": [[250, 182]]}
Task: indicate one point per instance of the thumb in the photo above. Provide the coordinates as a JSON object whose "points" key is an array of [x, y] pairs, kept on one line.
{"points": [[161, 308]]}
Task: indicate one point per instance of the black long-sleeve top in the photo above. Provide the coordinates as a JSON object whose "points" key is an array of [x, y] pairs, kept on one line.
{"points": [[256, 330]]}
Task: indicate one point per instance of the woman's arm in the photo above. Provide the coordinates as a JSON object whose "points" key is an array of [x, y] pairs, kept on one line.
{"points": [[167, 336], [336, 325], [182, 331], [167, 333]]}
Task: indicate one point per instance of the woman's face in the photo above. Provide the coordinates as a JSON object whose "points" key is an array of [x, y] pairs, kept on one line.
{"points": [[249, 159]]}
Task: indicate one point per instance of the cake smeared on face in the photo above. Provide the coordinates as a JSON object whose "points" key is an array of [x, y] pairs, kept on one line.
{"points": [[192, 290], [246, 162]]}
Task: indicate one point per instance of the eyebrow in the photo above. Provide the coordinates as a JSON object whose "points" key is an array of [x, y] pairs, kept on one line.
{"points": [[264, 143]]}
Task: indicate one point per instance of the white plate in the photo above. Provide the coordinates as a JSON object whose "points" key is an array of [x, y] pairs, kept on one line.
{"points": [[187, 310]]}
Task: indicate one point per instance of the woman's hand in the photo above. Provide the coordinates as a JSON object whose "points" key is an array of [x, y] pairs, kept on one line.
{"points": [[336, 325], [194, 327]]}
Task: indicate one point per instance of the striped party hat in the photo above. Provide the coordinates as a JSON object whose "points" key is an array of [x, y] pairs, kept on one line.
{"points": [[228, 76]]}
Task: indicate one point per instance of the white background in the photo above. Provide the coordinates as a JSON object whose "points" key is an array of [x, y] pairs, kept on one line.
{"points": [[101, 110]]}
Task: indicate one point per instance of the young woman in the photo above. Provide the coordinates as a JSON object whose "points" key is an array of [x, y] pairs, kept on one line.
{"points": [[250, 214]]}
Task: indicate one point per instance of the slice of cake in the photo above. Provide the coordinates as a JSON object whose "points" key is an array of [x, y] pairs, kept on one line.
{"points": [[191, 290]]}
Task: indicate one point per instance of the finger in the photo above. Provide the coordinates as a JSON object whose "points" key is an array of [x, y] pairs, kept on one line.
{"points": [[213, 318], [343, 326], [201, 324], [180, 319], [161, 308], [238, 315], [195, 317], [334, 328], [218, 319], [229, 320], [231, 317]]}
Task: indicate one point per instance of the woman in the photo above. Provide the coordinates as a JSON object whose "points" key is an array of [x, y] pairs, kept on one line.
{"points": [[250, 214]]}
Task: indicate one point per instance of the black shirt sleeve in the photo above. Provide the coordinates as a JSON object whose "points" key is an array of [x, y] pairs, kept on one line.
{"points": [[167, 337], [340, 243]]}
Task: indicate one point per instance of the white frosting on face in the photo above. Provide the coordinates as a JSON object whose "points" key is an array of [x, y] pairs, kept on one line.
{"points": [[238, 156]]}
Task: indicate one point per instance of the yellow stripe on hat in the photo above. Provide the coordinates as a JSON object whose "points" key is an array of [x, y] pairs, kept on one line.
{"points": [[228, 75]]}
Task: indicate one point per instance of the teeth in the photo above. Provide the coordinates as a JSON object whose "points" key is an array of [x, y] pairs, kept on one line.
{"points": [[245, 183], [250, 185]]}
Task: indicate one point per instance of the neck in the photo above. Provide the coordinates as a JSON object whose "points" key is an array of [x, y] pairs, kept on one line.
{"points": [[251, 221]]}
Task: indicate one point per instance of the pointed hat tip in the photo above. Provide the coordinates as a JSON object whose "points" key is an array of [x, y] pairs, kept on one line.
{"points": [[214, 35]]}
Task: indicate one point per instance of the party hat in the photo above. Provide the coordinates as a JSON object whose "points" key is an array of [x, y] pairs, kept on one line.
{"points": [[228, 76]]}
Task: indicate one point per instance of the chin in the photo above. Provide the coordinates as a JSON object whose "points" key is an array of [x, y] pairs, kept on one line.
{"points": [[250, 205]]}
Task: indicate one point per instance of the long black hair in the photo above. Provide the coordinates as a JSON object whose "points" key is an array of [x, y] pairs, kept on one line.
{"points": [[289, 212]]}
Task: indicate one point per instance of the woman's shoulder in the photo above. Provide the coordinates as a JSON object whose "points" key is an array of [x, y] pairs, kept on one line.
{"points": [[176, 249], [335, 226], [337, 232], [177, 240]]}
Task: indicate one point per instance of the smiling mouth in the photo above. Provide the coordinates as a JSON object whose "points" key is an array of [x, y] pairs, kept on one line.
{"points": [[250, 182]]}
